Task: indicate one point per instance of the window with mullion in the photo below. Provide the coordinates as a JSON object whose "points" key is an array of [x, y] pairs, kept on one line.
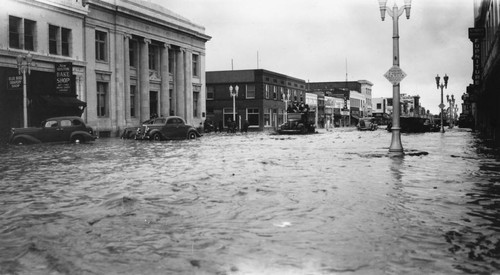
{"points": [[14, 32], [53, 34], [65, 41], [29, 35], [100, 45]]}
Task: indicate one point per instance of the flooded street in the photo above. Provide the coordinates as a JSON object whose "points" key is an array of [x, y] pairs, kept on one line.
{"points": [[256, 203]]}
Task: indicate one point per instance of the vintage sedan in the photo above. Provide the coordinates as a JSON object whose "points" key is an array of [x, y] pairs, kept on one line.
{"points": [[56, 129], [163, 128], [367, 123]]}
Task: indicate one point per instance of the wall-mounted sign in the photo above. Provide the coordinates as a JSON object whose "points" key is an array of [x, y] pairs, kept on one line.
{"points": [[14, 82], [64, 76]]}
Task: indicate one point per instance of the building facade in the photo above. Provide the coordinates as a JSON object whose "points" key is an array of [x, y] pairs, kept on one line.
{"points": [[142, 61], [484, 97], [116, 63], [48, 36], [262, 97]]}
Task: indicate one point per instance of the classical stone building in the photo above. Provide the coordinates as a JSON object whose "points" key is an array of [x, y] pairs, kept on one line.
{"points": [[50, 35], [114, 62], [142, 60]]}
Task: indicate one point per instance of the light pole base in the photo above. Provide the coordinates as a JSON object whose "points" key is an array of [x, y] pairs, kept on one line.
{"points": [[396, 147]]}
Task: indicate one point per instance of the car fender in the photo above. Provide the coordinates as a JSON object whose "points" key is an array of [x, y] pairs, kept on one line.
{"points": [[85, 135], [31, 139]]}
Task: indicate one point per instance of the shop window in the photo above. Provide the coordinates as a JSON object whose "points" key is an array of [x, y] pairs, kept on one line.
{"points": [[253, 117]]}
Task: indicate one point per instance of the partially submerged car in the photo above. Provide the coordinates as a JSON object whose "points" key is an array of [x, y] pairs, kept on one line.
{"points": [[171, 127], [367, 124], [298, 123], [56, 129]]}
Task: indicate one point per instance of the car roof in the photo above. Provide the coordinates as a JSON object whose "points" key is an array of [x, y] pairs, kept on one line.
{"points": [[64, 117]]}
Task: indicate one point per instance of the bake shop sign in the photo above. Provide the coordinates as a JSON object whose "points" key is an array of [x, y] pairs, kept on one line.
{"points": [[64, 75]]}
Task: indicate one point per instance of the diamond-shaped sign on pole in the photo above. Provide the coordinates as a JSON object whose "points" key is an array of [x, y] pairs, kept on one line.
{"points": [[395, 75]]}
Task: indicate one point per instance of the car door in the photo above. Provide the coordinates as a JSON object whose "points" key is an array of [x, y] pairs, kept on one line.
{"points": [[174, 128], [51, 131], [68, 126]]}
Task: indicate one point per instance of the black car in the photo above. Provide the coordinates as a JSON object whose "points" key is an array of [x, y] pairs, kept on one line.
{"points": [[171, 127], [56, 129]]}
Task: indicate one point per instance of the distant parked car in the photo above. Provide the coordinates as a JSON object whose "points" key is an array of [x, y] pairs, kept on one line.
{"points": [[132, 132], [56, 129], [367, 123], [171, 127]]}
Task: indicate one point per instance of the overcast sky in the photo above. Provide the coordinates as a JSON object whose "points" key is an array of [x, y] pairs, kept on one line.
{"points": [[322, 40]]}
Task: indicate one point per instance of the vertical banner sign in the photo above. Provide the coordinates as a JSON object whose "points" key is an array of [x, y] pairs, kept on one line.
{"points": [[64, 72], [476, 35]]}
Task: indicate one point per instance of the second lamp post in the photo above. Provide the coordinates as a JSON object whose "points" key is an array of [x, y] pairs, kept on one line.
{"points": [[442, 85], [234, 94]]}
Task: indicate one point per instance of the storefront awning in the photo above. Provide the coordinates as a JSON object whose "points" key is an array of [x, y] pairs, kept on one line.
{"points": [[64, 101]]}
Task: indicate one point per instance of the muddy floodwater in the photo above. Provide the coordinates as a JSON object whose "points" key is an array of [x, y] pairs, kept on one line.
{"points": [[257, 203]]}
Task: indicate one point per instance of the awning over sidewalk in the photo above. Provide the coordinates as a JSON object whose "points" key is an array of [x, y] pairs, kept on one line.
{"points": [[64, 101]]}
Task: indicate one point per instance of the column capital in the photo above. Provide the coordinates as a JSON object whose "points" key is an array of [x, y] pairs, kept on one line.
{"points": [[127, 36], [147, 40], [167, 46]]}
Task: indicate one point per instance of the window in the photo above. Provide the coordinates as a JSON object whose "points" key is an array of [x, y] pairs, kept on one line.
{"points": [[100, 45], [153, 57], [132, 100], [51, 123], [171, 58], [53, 34], [196, 96], [210, 93], [59, 40], [195, 65], [132, 52], [102, 93], [253, 117], [14, 32], [29, 35], [250, 91], [267, 91], [275, 92], [65, 41], [65, 123], [379, 106]]}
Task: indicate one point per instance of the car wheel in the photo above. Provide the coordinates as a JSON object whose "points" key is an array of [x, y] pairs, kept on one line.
{"points": [[191, 135], [21, 141], [156, 136]]}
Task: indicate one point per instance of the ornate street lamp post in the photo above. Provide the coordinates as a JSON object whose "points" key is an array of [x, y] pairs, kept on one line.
{"points": [[395, 74], [442, 85], [234, 94], [23, 66], [286, 98]]}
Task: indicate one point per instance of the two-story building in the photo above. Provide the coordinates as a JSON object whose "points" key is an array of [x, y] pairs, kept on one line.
{"points": [[262, 97]]}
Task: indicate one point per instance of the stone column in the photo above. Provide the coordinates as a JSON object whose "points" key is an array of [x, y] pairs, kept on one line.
{"points": [[144, 80], [188, 83], [180, 85], [165, 82], [126, 80]]}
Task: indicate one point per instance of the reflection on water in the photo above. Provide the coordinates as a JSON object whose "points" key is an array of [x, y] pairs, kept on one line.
{"points": [[254, 203]]}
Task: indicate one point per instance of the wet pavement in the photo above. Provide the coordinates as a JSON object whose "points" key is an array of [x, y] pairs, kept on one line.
{"points": [[255, 203]]}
